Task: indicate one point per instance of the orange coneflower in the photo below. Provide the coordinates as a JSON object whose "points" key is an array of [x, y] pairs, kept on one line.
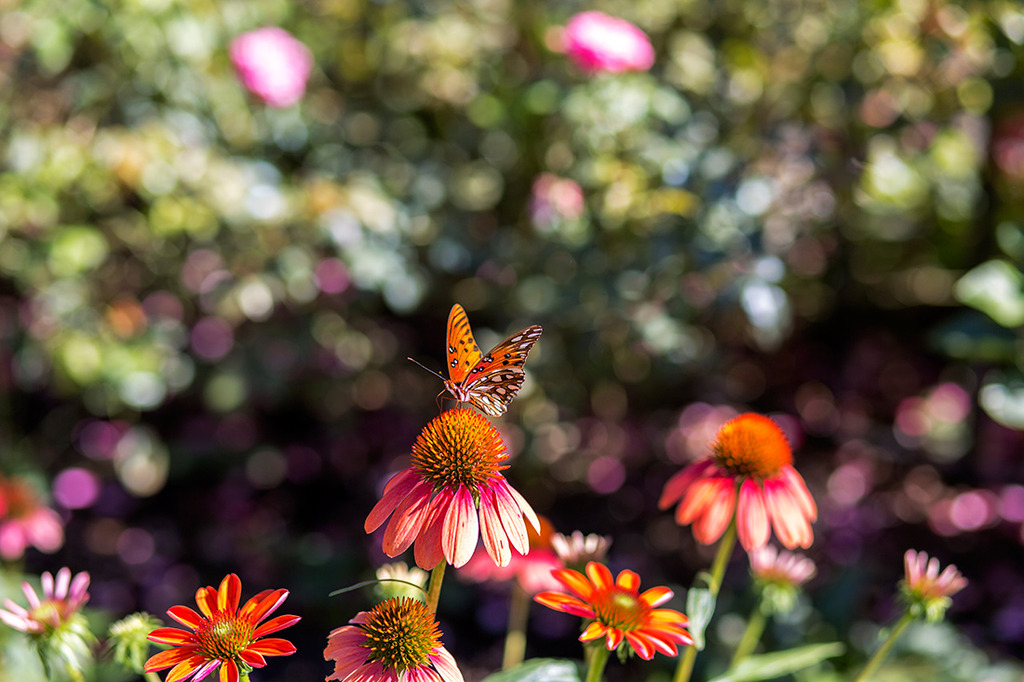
{"points": [[453, 493], [618, 611], [222, 635], [749, 472]]}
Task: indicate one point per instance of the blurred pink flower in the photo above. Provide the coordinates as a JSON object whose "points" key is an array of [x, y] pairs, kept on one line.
{"points": [[61, 600], [597, 42], [27, 521], [272, 65], [554, 198], [532, 571], [927, 591]]}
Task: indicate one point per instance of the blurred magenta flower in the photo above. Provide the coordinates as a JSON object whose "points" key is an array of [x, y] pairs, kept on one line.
{"points": [[925, 590], [397, 640], [62, 599], [26, 521], [596, 42], [222, 635], [272, 65], [749, 472]]}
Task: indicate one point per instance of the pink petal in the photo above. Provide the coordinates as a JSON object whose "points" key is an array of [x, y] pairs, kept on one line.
{"points": [[677, 485], [495, 539], [752, 517], [394, 492], [429, 552], [407, 520], [511, 515], [461, 528]]}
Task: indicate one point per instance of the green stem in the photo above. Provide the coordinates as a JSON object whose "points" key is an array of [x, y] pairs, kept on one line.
{"points": [[434, 593], [751, 636], [869, 670], [598, 659], [515, 637], [685, 667], [243, 676], [152, 677]]}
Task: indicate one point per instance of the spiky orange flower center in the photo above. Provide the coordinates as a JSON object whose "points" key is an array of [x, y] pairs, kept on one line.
{"points": [[751, 445], [620, 609], [459, 447], [224, 636], [401, 633]]}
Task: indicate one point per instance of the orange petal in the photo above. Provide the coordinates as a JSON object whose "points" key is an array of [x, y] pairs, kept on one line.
{"points": [[656, 596], [228, 671], [272, 647], [186, 616], [165, 659], [229, 593], [575, 581], [206, 599], [628, 580], [641, 646], [187, 668], [600, 576], [172, 636], [594, 631], [275, 624]]}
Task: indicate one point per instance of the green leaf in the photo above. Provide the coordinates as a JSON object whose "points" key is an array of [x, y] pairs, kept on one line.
{"points": [[995, 288], [539, 670], [779, 663]]}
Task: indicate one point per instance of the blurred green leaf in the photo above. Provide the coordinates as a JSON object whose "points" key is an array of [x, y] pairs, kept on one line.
{"points": [[777, 664], [997, 289], [539, 670]]}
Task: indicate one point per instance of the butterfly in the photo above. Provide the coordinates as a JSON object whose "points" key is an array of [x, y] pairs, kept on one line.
{"points": [[491, 381]]}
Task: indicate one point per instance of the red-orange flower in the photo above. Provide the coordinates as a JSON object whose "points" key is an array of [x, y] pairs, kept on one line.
{"points": [[749, 472], [223, 635], [618, 611], [453, 493]]}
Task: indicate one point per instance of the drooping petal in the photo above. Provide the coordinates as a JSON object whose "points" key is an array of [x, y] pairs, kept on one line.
{"points": [[194, 665], [407, 520], [788, 519], [525, 507], [511, 517], [678, 483], [613, 638], [461, 528], [229, 671], [204, 671], [699, 496], [429, 552], [394, 492], [491, 530], [445, 665], [252, 658], [798, 488], [594, 631], [752, 517]]}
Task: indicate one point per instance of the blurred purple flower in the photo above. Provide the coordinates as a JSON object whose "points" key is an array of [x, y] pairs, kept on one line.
{"points": [[272, 65], [597, 42]]}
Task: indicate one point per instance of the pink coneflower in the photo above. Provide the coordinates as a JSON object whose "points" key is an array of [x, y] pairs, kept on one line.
{"points": [[597, 42], [397, 640], [222, 635], [453, 493], [749, 472], [62, 599], [532, 571], [618, 612], [778, 576], [28, 521], [577, 550], [926, 591]]}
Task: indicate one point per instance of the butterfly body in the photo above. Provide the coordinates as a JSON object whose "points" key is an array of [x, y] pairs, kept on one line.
{"points": [[490, 381]]}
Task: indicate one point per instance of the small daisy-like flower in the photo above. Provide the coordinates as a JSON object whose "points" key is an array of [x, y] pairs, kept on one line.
{"points": [[618, 612], [397, 640], [62, 598], [222, 634], [926, 591], [577, 549], [532, 571], [396, 578], [779, 575], [452, 493], [749, 472]]}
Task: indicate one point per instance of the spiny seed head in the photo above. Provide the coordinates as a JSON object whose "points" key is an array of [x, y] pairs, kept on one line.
{"points": [[224, 636], [751, 445], [401, 633], [459, 447]]}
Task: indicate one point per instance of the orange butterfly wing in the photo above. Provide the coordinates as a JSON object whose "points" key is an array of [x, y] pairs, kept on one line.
{"points": [[463, 353], [496, 380]]}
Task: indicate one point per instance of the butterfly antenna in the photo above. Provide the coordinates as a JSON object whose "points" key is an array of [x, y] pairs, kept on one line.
{"points": [[427, 368]]}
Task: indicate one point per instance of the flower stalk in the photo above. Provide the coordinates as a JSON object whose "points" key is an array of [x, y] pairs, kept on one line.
{"points": [[515, 635], [598, 659], [894, 634], [434, 591], [751, 636]]}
